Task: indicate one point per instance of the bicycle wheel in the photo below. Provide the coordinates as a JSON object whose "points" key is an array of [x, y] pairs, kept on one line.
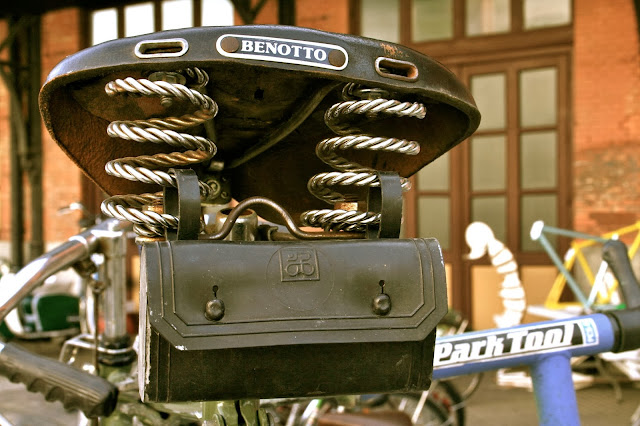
{"points": [[446, 394], [441, 405], [454, 323], [467, 384], [422, 410]]}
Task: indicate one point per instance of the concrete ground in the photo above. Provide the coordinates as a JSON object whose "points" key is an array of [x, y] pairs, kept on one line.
{"points": [[597, 405]]}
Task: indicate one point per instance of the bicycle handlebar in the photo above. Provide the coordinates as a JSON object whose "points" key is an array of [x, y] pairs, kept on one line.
{"points": [[93, 395], [76, 389], [614, 252], [34, 273], [67, 254]]}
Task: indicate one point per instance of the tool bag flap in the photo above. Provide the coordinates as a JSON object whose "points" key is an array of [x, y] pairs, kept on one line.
{"points": [[303, 303]]}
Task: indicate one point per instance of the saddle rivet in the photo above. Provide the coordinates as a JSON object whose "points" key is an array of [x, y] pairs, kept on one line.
{"points": [[337, 58], [230, 44]]}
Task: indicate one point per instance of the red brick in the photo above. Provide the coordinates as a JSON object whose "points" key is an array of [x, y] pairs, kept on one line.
{"points": [[606, 109], [61, 183]]}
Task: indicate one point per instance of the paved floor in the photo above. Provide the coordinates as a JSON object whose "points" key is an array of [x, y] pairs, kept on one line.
{"points": [[22, 408], [495, 405], [489, 405]]}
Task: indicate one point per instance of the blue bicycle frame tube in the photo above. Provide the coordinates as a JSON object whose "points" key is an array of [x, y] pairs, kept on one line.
{"points": [[547, 347], [556, 401]]}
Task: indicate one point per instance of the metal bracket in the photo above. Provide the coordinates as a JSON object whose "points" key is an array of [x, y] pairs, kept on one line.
{"points": [[387, 200], [184, 203]]}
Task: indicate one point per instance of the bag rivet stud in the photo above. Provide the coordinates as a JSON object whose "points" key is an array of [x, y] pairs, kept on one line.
{"points": [[214, 310], [382, 302]]}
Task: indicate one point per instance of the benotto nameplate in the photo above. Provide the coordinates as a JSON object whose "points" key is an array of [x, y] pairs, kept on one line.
{"points": [[284, 50]]}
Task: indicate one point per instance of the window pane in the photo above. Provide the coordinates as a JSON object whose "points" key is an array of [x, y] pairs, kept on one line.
{"points": [[492, 211], [432, 20], [435, 176], [177, 14], [538, 160], [546, 13], [381, 19], [537, 207], [488, 166], [489, 92], [433, 219], [104, 25], [538, 93], [217, 13], [488, 17], [138, 19]]}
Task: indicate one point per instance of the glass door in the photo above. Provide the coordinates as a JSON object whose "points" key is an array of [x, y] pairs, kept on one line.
{"points": [[513, 171]]}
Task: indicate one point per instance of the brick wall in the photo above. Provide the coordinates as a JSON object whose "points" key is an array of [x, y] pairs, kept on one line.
{"points": [[61, 36], [61, 179], [606, 107], [329, 15], [5, 166], [606, 112], [61, 176]]}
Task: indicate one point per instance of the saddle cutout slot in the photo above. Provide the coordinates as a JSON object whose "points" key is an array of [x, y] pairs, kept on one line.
{"points": [[396, 69], [168, 48]]}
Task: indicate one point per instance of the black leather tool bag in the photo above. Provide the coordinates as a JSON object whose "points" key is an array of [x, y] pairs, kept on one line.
{"points": [[231, 320]]}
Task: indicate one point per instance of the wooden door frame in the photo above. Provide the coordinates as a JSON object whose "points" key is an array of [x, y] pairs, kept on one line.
{"points": [[459, 171]]}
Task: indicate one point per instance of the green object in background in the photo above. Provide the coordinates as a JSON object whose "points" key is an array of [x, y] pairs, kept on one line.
{"points": [[5, 332], [50, 312]]}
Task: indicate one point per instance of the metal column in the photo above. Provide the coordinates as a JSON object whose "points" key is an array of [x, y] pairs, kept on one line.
{"points": [[23, 81]]}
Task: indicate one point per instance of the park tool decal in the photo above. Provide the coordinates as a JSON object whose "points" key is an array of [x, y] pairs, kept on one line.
{"points": [[501, 344], [288, 51]]}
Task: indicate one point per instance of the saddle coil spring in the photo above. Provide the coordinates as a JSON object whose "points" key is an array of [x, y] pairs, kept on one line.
{"points": [[145, 168], [371, 103], [145, 210]]}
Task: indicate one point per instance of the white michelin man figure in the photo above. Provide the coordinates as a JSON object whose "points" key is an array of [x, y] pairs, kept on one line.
{"points": [[481, 241]]}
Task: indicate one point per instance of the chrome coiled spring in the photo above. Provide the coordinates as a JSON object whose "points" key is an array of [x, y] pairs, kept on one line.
{"points": [[154, 169], [371, 103]]}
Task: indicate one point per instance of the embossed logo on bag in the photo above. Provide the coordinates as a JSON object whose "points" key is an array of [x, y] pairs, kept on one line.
{"points": [[299, 264], [272, 49]]}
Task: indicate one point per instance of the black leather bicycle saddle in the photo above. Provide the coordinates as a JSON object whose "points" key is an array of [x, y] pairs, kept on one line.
{"points": [[272, 86]]}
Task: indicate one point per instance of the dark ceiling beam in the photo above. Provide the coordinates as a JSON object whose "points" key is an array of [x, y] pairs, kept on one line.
{"points": [[243, 8], [21, 75], [637, 5], [287, 12], [246, 11], [13, 31]]}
